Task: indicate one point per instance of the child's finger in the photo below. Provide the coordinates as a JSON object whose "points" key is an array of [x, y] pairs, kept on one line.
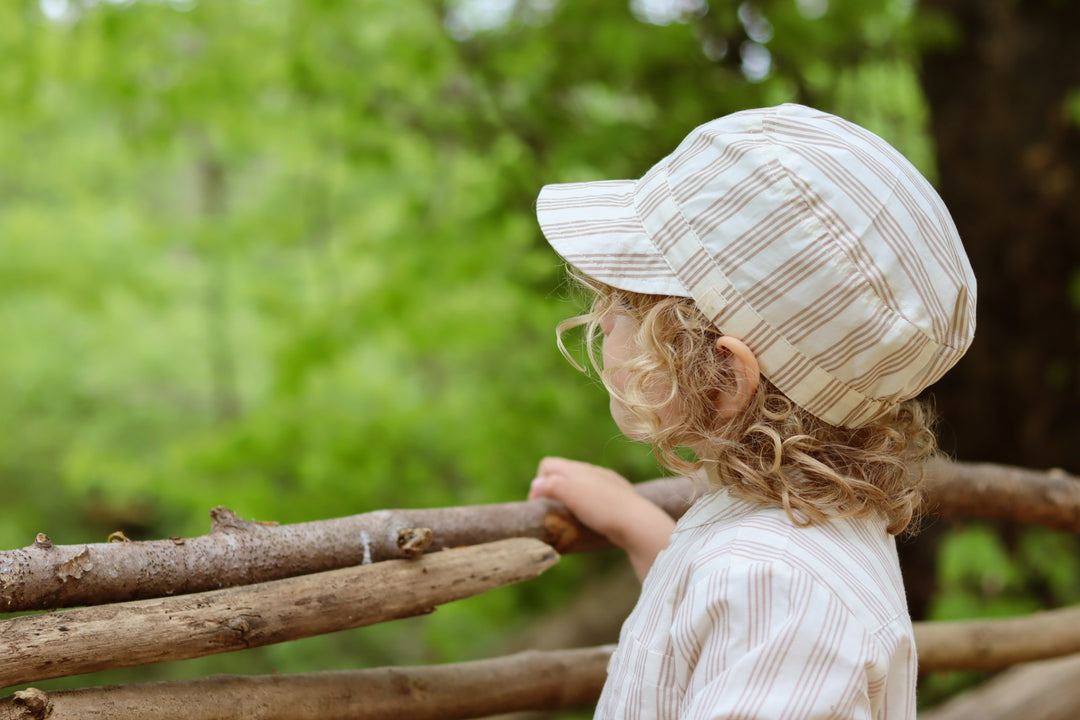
{"points": [[537, 488], [551, 464], [552, 485]]}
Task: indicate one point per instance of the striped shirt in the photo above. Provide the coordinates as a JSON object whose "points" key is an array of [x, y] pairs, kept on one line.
{"points": [[746, 615]]}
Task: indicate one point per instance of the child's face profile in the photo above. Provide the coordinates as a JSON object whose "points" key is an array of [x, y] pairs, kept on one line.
{"points": [[618, 332], [620, 348]]}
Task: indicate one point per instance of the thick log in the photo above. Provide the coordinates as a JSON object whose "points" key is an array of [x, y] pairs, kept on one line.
{"points": [[71, 642], [236, 552], [530, 680]]}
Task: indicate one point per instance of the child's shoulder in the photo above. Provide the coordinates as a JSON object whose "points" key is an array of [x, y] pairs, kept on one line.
{"points": [[852, 558]]}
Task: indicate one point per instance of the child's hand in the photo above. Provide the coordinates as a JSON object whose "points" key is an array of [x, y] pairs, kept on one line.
{"points": [[598, 497], [606, 502]]}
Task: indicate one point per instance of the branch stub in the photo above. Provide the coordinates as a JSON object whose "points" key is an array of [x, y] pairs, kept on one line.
{"points": [[36, 702]]}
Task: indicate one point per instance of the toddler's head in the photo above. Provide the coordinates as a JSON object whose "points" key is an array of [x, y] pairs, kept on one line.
{"points": [[819, 248]]}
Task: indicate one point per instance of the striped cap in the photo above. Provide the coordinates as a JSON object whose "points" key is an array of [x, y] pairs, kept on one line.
{"points": [[807, 237]]}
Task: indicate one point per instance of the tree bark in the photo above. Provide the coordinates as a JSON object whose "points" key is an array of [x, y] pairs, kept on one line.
{"points": [[71, 642], [530, 680], [236, 552]]}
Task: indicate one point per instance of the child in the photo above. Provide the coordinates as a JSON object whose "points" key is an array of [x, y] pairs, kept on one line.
{"points": [[771, 296]]}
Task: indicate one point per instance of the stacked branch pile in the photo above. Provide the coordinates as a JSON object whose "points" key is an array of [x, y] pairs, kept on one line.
{"points": [[246, 584]]}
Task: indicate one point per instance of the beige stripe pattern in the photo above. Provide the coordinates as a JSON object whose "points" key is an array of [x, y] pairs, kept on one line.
{"points": [[745, 615], [806, 236]]}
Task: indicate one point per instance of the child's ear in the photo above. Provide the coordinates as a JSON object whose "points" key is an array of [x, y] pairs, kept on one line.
{"points": [[747, 374]]}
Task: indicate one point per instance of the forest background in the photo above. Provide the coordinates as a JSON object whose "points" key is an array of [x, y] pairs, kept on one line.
{"points": [[280, 255]]}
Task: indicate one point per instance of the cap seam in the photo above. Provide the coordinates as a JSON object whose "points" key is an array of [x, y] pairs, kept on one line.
{"points": [[845, 261]]}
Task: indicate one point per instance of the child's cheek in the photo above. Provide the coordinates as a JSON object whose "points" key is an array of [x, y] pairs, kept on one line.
{"points": [[628, 424]]}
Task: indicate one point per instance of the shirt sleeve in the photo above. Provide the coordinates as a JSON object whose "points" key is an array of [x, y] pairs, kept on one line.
{"points": [[764, 640]]}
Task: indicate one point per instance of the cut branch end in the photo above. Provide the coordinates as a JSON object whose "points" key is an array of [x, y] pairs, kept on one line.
{"points": [[34, 703]]}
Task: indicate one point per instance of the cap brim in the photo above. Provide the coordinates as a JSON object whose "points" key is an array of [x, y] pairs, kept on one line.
{"points": [[594, 226]]}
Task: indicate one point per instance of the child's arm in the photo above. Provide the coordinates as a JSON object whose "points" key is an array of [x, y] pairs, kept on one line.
{"points": [[607, 502]]}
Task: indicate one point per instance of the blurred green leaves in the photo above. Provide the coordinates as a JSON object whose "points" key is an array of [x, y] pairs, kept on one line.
{"points": [[985, 573], [281, 254]]}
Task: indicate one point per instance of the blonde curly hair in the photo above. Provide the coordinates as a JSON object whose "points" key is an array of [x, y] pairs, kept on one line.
{"points": [[774, 451]]}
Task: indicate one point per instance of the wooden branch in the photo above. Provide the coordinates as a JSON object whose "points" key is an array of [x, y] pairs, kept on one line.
{"points": [[236, 552], [1047, 690], [530, 680], [44, 576], [1001, 492], [71, 642], [998, 643]]}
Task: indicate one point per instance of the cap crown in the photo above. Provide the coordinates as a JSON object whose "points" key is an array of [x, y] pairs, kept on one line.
{"points": [[806, 236]]}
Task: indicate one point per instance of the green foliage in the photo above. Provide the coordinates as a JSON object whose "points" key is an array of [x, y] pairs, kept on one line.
{"points": [[1072, 106], [983, 574], [280, 255], [978, 577]]}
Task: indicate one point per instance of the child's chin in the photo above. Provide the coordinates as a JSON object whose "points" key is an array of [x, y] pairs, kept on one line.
{"points": [[633, 430]]}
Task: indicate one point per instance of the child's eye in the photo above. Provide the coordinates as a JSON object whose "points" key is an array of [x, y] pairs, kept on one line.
{"points": [[622, 302]]}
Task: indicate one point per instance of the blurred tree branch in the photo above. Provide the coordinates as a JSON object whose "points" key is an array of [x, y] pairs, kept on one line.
{"points": [[997, 643], [1046, 690]]}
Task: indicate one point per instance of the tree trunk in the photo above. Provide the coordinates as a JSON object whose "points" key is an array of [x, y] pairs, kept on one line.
{"points": [[1009, 165]]}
